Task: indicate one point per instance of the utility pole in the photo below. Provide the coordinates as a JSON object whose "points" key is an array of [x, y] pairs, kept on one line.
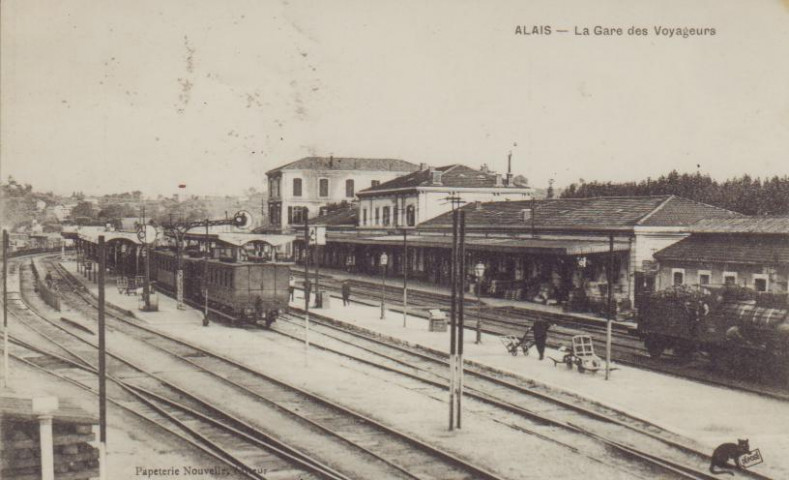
{"points": [[453, 325], [102, 364], [405, 276], [5, 308], [317, 252], [146, 291], [306, 283], [460, 274], [205, 275], [609, 310]]}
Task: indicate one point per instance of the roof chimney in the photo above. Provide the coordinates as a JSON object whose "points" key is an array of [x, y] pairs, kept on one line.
{"points": [[526, 214], [422, 166], [484, 168], [478, 205], [435, 176], [331, 161]]}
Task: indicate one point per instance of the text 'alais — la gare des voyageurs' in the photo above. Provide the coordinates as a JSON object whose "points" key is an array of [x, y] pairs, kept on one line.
{"points": [[616, 31]]}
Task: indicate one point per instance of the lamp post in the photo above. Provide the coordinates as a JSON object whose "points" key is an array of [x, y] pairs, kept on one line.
{"points": [[479, 271], [384, 262]]}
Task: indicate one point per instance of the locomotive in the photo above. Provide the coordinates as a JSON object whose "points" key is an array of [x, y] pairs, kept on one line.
{"points": [[733, 326], [242, 291]]}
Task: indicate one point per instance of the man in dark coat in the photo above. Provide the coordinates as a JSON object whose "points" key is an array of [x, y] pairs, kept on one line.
{"points": [[540, 329], [346, 293]]}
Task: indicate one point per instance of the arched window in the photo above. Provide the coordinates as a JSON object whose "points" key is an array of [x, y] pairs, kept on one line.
{"points": [[410, 215]]}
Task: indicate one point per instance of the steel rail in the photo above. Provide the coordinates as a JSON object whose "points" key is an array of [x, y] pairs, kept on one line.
{"points": [[489, 398]]}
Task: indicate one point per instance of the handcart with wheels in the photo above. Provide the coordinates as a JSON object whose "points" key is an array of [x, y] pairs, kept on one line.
{"points": [[513, 343], [581, 356]]}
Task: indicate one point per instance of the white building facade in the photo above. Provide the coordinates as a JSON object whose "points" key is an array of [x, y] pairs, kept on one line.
{"points": [[312, 183], [429, 192]]}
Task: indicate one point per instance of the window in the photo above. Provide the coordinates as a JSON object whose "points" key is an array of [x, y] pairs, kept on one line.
{"points": [[375, 183], [349, 188], [323, 187], [290, 215], [410, 214], [299, 213], [395, 215], [296, 187], [730, 278], [386, 216], [274, 188], [364, 216], [377, 214], [760, 282], [677, 276], [704, 277]]}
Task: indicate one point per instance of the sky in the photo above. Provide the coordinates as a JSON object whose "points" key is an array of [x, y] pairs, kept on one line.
{"points": [[106, 96]]}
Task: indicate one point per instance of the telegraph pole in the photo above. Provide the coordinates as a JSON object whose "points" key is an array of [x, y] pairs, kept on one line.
{"points": [[460, 274], [452, 319], [205, 275], [146, 291], [102, 364], [405, 276], [306, 283], [609, 312], [5, 308]]}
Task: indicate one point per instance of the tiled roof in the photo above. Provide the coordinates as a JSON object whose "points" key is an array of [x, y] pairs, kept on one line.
{"points": [[679, 211], [591, 213], [455, 176], [762, 225], [344, 163], [750, 249]]}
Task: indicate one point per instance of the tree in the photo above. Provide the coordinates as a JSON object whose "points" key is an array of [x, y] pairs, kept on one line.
{"points": [[741, 194], [84, 213]]}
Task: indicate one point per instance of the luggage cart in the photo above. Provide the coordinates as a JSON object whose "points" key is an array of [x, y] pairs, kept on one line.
{"points": [[513, 343], [582, 355]]}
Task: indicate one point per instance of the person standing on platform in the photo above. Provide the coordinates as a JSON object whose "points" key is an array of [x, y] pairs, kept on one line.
{"points": [[346, 293], [540, 329]]}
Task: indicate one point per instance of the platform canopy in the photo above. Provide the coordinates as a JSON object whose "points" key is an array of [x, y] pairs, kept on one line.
{"points": [[241, 239], [543, 246], [92, 236]]}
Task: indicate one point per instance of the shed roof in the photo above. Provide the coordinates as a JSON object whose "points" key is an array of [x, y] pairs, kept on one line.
{"points": [[743, 249], [241, 239], [618, 213], [554, 246], [758, 225]]}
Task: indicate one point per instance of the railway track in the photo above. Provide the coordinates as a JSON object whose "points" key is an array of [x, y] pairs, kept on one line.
{"points": [[242, 450], [626, 349], [393, 453], [566, 418]]}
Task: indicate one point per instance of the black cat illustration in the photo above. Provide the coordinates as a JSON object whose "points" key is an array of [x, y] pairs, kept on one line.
{"points": [[728, 451]]}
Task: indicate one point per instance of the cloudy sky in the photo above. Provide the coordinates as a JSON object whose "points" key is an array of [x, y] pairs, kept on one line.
{"points": [[116, 95]]}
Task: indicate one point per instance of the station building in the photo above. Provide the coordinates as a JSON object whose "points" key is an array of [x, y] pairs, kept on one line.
{"points": [[552, 251], [750, 252], [414, 198], [312, 183]]}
